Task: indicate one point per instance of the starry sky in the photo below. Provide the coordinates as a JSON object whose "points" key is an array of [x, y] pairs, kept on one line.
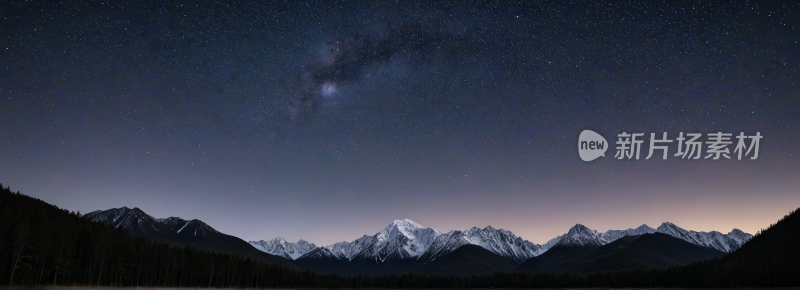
{"points": [[326, 121]]}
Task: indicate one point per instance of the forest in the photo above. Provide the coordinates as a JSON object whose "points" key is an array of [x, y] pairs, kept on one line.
{"points": [[41, 244]]}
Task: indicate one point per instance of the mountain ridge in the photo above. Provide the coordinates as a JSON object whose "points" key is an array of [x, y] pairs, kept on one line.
{"points": [[404, 239]]}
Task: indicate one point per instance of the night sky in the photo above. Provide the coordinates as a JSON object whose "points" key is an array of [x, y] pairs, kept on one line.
{"points": [[327, 121]]}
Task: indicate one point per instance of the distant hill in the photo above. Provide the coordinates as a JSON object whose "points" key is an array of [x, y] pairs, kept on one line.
{"points": [[468, 260], [557, 259], [641, 252], [180, 232]]}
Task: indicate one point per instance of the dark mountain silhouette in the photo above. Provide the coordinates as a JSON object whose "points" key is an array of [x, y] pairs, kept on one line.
{"points": [[180, 232], [557, 258], [641, 252], [468, 260], [655, 250]]}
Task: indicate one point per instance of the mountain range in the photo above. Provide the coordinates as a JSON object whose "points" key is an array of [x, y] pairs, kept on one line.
{"points": [[405, 239], [405, 246]]}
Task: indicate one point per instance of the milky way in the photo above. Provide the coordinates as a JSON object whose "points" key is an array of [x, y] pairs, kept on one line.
{"points": [[326, 121]]}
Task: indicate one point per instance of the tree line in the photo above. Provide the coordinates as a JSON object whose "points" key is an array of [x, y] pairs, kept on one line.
{"points": [[41, 244]]}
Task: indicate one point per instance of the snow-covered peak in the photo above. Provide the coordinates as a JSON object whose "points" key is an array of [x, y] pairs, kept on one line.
{"points": [[613, 235], [581, 236], [401, 239], [641, 230], [498, 241], [714, 239], [739, 236], [405, 227], [737, 232], [280, 247], [406, 222], [667, 226], [578, 229], [303, 242], [645, 229], [675, 231]]}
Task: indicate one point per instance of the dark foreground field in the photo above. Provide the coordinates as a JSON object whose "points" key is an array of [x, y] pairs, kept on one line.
{"points": [[162, 288]]}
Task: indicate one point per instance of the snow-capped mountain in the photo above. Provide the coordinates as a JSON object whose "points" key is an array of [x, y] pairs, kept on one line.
{"points": [[613, 235], [498, 241], [714, 239], [739, 236], [347, 250], [401, 239], [581, 236], [280, 247]]}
